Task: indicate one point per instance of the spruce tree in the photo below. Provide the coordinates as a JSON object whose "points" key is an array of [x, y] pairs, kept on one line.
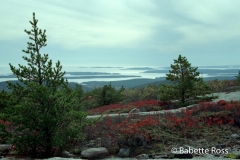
{"points": [[183, 77], [44, 112]]}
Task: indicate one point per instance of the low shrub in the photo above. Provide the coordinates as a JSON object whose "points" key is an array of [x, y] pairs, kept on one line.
{"points": [[145, 105], [139, 131], [222, 85], [140, 94]]}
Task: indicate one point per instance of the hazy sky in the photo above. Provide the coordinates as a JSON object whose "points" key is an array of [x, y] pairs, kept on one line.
{"points": [[124, 32]]}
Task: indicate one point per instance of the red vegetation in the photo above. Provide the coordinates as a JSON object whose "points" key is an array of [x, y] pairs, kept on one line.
{"points": [[207, 114], [138, 104]]}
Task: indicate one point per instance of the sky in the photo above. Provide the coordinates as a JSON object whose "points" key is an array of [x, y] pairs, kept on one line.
{"points": [[124, 32]]}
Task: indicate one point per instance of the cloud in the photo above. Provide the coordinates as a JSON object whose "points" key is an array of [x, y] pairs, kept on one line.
{"points": [[92, 23], [131, 31], [207, 21]]}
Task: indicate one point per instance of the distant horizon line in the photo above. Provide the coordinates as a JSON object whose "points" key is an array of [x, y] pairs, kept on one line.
{"points": [[142, 66], [137, 66]]}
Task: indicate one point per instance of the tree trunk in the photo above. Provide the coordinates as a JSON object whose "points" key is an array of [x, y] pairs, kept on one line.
{"points": [[183, 96]]}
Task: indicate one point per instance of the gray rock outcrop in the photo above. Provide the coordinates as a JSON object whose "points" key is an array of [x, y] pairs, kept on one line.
{"points": [[92, 153]]}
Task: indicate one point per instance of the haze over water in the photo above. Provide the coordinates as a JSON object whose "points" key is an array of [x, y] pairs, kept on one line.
{"points": [[97, 73]]}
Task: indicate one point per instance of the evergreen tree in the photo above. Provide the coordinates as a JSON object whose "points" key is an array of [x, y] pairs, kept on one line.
{"points": [[108, 95], [44, 112], [183, 77], [167, 92], [5, 99]]}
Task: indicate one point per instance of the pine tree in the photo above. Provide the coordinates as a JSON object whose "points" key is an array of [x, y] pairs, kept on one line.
{"points": [[108, 95], [5, 99], [183, 77], [45, 112]]}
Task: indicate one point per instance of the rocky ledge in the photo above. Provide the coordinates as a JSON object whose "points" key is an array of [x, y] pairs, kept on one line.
{"points": [[219, 151]]}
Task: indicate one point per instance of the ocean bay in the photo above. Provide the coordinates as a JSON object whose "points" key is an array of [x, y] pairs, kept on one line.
{"points": [[120, 73]]}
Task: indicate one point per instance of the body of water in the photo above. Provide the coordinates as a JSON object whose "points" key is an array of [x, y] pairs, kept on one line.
{"points": [[95, 73]]}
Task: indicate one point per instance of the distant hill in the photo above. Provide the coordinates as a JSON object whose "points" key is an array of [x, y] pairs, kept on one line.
{"points": [[133, 83], [126, 83], [169, 82], [3, 86]]}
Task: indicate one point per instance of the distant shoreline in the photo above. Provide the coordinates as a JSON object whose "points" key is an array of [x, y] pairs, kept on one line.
{"points": [[130, 83]]}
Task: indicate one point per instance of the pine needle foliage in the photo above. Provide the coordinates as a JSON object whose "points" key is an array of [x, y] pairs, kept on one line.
{"points": [[108, 95], [183, 77], [45, 112]]}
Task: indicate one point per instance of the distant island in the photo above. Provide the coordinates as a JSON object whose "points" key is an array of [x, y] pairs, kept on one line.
{"points": [[132, 83]]}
